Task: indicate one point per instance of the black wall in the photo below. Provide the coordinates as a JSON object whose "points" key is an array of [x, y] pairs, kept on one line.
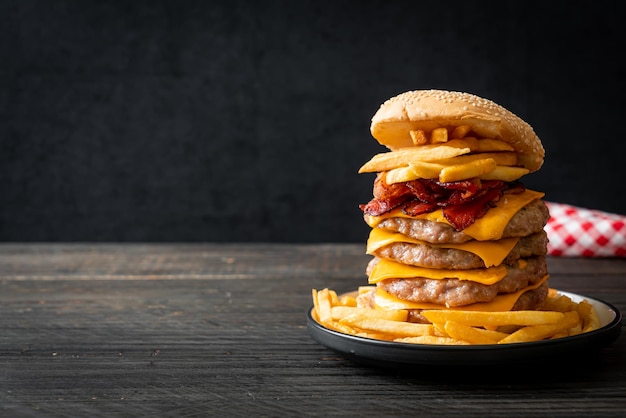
{"points": [[247, 120]]}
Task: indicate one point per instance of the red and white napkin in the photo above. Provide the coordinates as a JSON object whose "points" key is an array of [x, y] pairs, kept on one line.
{"points": [[579, 232]]}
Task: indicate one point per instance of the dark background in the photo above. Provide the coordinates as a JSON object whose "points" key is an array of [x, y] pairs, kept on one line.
{"points": [[248, 120]]}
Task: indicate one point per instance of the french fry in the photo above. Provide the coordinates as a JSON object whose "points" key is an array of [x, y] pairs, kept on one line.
{"points": [[501, 158], [339, 312], [584, 309], [481, 318], [316, 305], [490, 145], [413, 171], [388, 160], [575, 330], [591, 320], [324, 302], [375, 335], [439, 135], [460, 131], [418, 137], [471, 334], [400, 329], [334, 299], [341, 327], [440, 329], [468, 170], [558, 303], [347, 301], [540, 332], [504, 173], [561, 334], [506, 329], [431, 339], [471, 141]]}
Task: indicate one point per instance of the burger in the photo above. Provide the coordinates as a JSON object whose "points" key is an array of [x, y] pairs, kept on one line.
{"points": [[452, 224]]}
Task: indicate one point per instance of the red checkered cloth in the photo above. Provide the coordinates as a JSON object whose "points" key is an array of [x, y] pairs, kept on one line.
{"points": [[578, 232]]}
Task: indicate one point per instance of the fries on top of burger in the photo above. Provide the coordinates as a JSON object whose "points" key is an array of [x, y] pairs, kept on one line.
{"points": [[453, 226]]}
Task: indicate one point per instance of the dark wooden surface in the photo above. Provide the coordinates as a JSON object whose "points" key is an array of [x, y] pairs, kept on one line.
{"points": [[195, 330]]}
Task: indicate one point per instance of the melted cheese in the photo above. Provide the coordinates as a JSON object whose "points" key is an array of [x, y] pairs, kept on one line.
{"points": [[501, 303], [387, 269], [491, 252], [487, 228]]}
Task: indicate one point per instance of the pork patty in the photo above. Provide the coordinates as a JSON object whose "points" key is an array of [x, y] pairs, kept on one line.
{"points": [[529, 220], [424, 255], [454, 292], [530, 300]]}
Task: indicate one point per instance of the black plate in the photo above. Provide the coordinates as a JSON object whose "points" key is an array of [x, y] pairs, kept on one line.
{"points": [[392, 354]]}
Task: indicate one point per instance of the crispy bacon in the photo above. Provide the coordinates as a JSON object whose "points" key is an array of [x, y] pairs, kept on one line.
{"points": [[462, 201], [387, 197], [382, 190], [415, 207], [424, 191], [463, 215], [377, 207]]}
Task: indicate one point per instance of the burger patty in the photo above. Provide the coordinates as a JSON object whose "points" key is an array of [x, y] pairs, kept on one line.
{"points": [[454, 292], [424, 255], [530, 300], [529, 220]]}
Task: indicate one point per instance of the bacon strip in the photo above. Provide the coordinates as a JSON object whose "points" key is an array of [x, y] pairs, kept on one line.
{"points": [[462, 201], [415, 207], [377, 207], [463, 215]]}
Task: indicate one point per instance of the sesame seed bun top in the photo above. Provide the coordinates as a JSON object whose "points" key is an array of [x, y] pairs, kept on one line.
{"points": [[430, 109]]}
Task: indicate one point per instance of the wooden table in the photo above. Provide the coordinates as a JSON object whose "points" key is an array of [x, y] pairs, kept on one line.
{"points": [[203, 329]]}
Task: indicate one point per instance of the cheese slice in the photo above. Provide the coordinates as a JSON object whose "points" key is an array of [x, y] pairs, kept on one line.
{"points": [[387, 269], [491, 252], [501, 303], [487, 228]]}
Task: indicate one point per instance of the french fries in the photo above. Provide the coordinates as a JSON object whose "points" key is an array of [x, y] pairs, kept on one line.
{"points": [[439, 135], [448, 156], [486, 166], [402, 157], [559, 317], [430, 339], [460, 131], [489, 319], [540, 332], [468, 170], [506, 158], [472, 335], [505, 173], [418, 137], [491, 145], [419, 170], [387, 326]]}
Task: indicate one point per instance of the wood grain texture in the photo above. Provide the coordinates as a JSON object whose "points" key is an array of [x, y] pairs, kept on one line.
{"points": [[195, 330]]}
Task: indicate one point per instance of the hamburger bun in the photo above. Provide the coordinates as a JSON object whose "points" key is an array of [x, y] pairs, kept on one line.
{"points": [[430, 109]]}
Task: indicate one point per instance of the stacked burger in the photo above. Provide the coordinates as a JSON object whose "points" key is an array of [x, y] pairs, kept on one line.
{"points": [[453, 227]]}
